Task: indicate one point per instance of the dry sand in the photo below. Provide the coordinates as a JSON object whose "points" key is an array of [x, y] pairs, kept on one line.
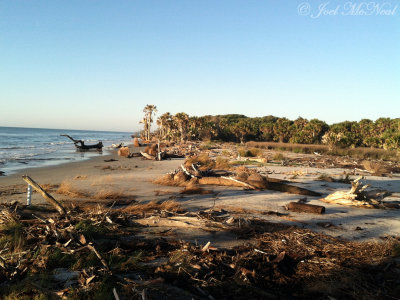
{"points": [[133, 179]]}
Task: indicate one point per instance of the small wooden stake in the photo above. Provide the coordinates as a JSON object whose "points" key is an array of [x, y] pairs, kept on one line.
{"points": [[45, 194]]}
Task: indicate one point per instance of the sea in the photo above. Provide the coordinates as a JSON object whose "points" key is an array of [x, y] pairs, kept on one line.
{"points": [[22, 148]]}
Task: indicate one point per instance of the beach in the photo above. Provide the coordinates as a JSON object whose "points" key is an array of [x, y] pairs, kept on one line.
{"points": [[119, 221], [111, 177]]}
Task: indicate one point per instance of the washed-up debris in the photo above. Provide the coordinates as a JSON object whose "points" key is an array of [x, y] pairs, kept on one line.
{"points": [[202, 170], [99, 253], [136, 142], [82, 146], [117, 146], [123, 151], [305, 208], [164, 150], [359, 196]]}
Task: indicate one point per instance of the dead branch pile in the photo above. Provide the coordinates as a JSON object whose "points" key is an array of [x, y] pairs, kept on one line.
{"points": [[97, 253]]}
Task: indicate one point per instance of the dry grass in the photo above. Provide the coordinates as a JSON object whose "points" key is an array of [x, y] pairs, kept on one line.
{"points": [[169, 205], [278, 156], [226, 153], [222, 163], [375, 168], [360, 152], [168, 179], [48, 187], [67, 189], [106, 194], [205, 162]]}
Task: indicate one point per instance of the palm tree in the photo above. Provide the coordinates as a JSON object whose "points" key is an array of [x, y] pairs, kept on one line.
{"points": [[282, 129], [242, 129], [182, 120], [164, 122], [149, 110]]}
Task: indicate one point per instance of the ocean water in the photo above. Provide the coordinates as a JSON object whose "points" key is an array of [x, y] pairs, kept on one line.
{"points": [[22, 148]]}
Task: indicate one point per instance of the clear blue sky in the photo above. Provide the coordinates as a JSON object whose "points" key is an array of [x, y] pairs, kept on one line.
{"points": [[96, 64]]}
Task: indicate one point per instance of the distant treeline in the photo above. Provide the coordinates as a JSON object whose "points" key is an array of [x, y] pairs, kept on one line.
{"points": [[382, 133]]}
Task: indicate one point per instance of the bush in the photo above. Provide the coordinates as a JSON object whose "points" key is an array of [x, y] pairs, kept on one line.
{"points": [[252, 152], [278, 156]]}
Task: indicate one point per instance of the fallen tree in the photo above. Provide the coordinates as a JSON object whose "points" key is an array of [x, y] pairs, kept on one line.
{"points": [[82, 146], [206, 176], [305, 208], [359, 196]]}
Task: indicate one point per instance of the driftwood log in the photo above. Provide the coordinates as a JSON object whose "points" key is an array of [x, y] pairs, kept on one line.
{"points": [[353, 197], [305, 208], [45, 194], [148, 156], [82, 146], [227, 181], [287, 188]]}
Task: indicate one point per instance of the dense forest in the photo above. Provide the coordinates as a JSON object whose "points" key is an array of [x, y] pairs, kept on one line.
{"points": [[382, 133]]}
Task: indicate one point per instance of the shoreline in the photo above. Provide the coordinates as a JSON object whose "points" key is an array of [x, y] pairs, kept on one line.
{"points": [[61, 163], [25, 148]]}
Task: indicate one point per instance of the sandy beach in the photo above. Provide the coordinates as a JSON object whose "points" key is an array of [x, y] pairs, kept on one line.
{"points": [[132, 179]]}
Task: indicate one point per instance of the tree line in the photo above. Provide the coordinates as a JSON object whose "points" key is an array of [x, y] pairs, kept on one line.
{"points": [[381, 133]]}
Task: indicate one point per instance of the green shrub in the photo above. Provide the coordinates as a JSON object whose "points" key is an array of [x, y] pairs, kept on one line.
{"points": [[252, 152]]}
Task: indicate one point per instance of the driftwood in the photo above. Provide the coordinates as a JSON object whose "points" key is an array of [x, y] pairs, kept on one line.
{"points": [[148, 156], [225, 181], [287, 188], [82, 146], [264, 184], [45, 194], [306, 208], [186, 171], [357, 196]]}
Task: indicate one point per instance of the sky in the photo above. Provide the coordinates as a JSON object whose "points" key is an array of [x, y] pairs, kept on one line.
{"points": [[93, 64]]}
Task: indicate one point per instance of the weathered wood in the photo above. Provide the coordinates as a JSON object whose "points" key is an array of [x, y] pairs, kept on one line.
{"points": [[82, 145], [186, 171], [357, 196], [227, 181], [283, 187], [148, 156], [45, 194], [306, 208]]}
